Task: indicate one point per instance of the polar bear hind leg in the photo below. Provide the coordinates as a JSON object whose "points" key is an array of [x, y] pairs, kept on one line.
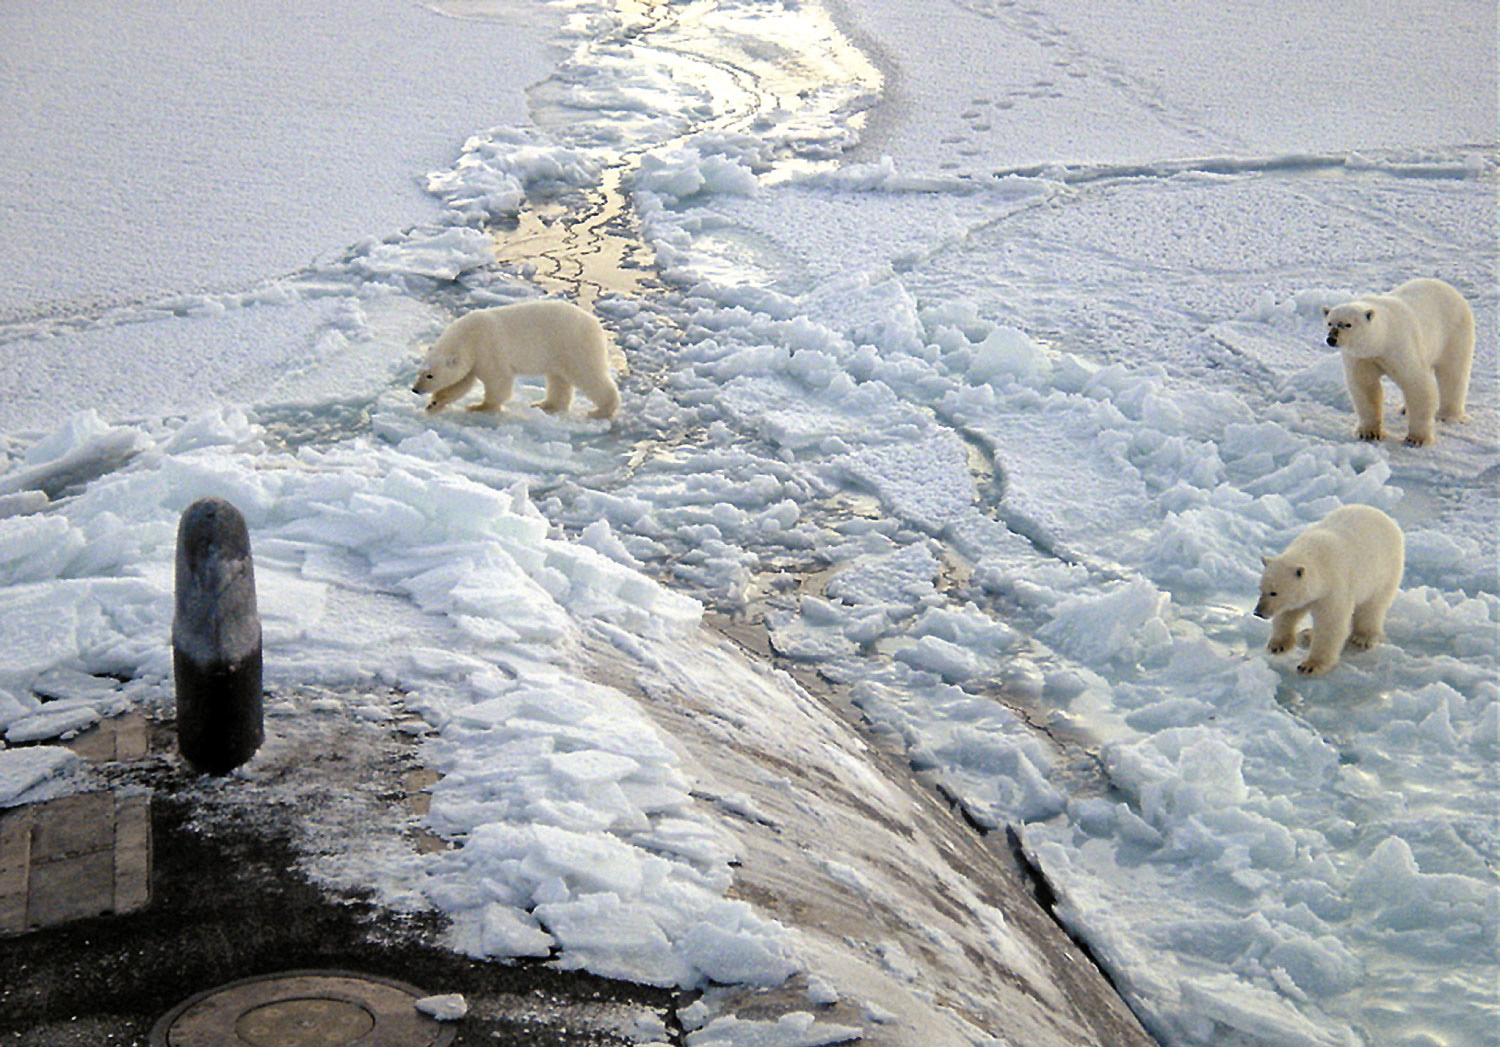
{"points": [[1421, 393], [1453, 370], [602, 390], [1368, 625]]}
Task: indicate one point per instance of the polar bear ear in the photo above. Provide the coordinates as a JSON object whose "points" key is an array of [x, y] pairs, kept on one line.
{"points": [[1299, 572], [1326, 310], [1369, 314]]}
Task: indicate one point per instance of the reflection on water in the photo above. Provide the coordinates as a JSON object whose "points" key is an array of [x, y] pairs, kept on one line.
{"points": [[585, 252], [780, 75]]}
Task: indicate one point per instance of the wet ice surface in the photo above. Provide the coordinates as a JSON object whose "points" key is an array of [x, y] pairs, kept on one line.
{"points": [[990, 434]]}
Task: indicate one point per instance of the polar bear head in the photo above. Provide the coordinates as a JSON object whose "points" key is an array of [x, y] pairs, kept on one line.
{"points": [[1286, 583], [1354, 328], [444, 364]]}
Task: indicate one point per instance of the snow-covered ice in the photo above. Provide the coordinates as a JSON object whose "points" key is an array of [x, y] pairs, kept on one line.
{"points": [[983, 363], [165, 151]]}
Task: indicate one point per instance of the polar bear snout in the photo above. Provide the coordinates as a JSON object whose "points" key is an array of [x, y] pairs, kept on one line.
{"points": [[1260, 610], [1333, 339]]}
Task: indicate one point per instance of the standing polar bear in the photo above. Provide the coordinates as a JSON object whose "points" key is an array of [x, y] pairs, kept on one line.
{"points": [[492, 346], [1421, 336], [1344, 570]]}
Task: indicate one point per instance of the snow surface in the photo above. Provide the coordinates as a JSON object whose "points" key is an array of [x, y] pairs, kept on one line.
{"points": [[985, 365], [195, 146]]}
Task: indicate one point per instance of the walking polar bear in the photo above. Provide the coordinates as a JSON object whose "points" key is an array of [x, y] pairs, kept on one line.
{"points": [[493, 346], [1421, 336], [1344, 570]]}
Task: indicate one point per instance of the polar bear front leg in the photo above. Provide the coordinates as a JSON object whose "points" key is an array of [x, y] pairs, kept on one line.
{"points": [[445, 396], [559, 395], [1330, 632], [496, 393], [1363, 379], [1284, 631]]}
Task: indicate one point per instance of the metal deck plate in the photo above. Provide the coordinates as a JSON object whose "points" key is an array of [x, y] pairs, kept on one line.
{"points": [[302, 1009]]}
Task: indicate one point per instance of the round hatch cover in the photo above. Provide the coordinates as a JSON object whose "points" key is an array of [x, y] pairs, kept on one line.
{"points": [[302, 1009]]}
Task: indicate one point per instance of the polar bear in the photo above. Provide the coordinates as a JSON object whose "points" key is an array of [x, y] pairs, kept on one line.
{"points": [[492, 346], [1421, 336], [1344, 570]]}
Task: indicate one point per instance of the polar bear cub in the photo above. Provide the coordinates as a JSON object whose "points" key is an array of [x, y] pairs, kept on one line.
{"points": [[1421, 336], [1344, 570], [493, 346]]}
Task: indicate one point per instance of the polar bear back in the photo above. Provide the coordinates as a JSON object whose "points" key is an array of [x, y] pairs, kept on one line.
{"points": [[530, 338], [1441, 317], [1356, 548]]}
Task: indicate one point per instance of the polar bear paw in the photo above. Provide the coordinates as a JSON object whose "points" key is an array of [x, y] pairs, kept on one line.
{"points": [[1375, 433], [1314, 667]]}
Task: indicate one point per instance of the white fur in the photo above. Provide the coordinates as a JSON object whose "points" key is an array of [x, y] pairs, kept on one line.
{"points": [[493, 346], [1344, 570], [1421, 336]]}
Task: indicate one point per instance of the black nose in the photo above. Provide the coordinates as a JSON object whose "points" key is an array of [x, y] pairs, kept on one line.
{"points": [[1260, 611], [1333, 340]]}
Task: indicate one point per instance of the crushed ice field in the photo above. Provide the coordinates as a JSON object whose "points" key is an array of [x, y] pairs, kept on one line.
{"points": [[992, 448]]}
